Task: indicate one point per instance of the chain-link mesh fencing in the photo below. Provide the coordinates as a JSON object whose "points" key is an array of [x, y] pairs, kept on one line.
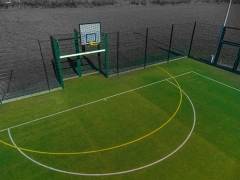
{"points": [[23, 71], [29, 67], [229, 53], [205, 41]]}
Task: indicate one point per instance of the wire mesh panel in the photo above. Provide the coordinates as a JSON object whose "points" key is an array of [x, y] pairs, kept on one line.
{"points": [[48, 63], [131, 50], [181, 40], [228, 56], [67, 46], [29, 67], [158, 44], [113, 45], [205, 41], [5, 79], [94, 62], [89, 63], [238, 68], [32, 82], [28, 75], [232, 35]]}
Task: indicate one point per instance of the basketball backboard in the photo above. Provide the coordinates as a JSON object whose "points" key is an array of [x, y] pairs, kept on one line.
{"points": [[90, 32]]}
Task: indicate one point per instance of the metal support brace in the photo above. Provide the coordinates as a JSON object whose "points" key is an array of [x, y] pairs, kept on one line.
{"points": [[170, 43], [77, 50], [58, 63], [145, 54], [99, 59], [190, 47], [235, 66], [219, 45], [106, 54]]}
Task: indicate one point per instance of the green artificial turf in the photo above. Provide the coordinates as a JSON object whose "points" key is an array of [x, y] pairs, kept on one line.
{"points": [[106, 113]]}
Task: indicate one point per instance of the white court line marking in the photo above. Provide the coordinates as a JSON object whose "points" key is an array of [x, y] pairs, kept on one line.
{"points": [[216, 81], [103, 99], [120, 172]]}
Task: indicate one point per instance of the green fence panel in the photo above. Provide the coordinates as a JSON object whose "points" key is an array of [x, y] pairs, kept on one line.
{"points": [[58, 63], [236, 61], [77, 50], [106, 54], [220, 45]]}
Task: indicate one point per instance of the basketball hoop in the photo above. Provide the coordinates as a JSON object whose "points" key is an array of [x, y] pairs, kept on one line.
{"points": [[93, 43]]}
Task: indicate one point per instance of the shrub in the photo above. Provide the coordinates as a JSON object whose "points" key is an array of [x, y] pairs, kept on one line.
{"points": [[140, 2], [91, 3], [103, 2]]}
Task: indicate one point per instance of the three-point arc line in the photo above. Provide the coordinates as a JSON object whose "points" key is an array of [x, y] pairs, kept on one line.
{"points": [[117, 146], [120, 172]]}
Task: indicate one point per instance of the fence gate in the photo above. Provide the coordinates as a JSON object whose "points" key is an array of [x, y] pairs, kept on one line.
{"points": [[228, 51]]}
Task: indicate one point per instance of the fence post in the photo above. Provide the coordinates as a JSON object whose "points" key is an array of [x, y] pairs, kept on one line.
{"points": [[146, 44], [106, 54], [77, 50], [170, 43], [56, 55], [219, 45], [1, 100], [117, 53], [235, 66], [54, 59], [190, 47], [10, 78], [99, 58], [9, 81], [44, 66]]}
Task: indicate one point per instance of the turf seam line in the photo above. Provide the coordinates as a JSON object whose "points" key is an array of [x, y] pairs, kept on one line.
{"points": [[216, 81], [121, 172], [103, 99]]}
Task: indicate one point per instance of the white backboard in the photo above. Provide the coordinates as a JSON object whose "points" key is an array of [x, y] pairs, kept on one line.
{"points": [[90, 32]]}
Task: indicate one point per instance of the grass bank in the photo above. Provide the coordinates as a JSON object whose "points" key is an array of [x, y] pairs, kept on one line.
{"points": [[95, 3]]}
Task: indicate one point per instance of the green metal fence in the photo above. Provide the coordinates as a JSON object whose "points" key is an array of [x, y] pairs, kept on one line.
{"points": [[34, 66]]}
